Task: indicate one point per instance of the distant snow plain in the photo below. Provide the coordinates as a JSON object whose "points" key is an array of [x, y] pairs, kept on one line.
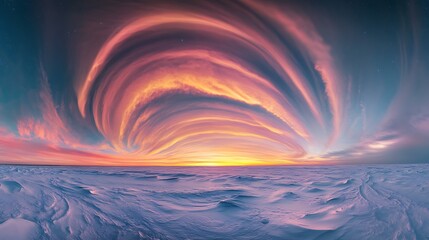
{"points": [[314, 202]]}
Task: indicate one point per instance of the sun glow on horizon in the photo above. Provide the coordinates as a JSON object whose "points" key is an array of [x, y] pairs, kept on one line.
{"points": [[213, 84]]}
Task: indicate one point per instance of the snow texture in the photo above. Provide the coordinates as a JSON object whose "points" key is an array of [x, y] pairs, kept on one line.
{"points": [[329, 202]]}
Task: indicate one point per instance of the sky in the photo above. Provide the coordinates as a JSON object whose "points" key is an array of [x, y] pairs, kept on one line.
{"points": [[214, 83]]}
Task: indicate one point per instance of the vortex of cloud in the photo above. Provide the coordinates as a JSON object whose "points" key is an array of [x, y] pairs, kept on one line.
{"points": [[177, 84]]}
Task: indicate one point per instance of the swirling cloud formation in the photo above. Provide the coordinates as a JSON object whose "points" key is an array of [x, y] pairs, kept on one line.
{"points": [[237, 83]]}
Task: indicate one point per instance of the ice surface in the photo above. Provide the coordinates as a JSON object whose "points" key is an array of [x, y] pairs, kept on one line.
{"points": [[18, 229], [330, 202]]}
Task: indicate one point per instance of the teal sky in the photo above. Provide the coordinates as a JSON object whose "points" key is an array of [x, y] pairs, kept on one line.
{"points": [[214, 83]]}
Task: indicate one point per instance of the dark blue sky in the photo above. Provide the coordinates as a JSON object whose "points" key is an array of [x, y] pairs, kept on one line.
{"points": [[214, 83]]}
